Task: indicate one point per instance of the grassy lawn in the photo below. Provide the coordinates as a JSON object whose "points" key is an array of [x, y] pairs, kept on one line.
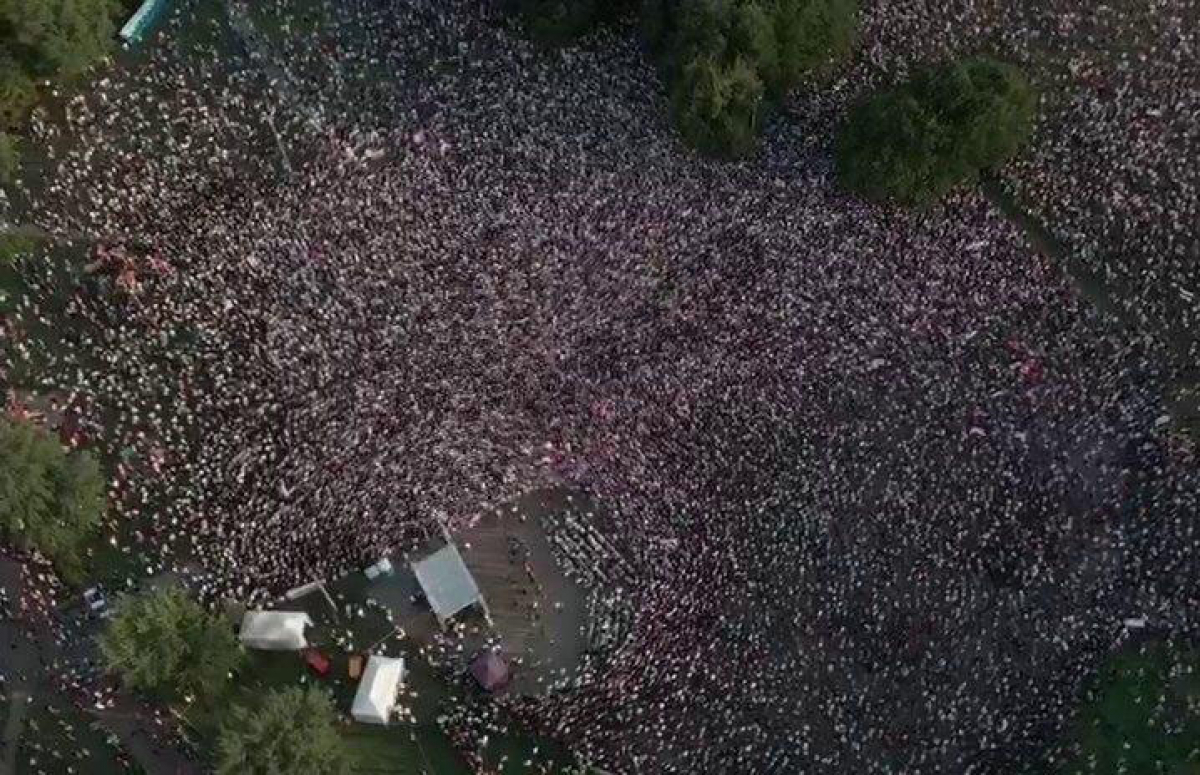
{"points": [[402, 748], [200, 32], [507, 754], [281, 20]]}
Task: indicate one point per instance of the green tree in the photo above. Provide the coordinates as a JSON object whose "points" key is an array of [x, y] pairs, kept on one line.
{"points": [[809, 34], [165, 643], [717, 106], [1142, 715], [10, 161], [655, 23], [17, 92], [50, 500], [751, 33], [915, 143], [711, 48], [557, 22], [290, 730], [57, 38], [698, 29]]}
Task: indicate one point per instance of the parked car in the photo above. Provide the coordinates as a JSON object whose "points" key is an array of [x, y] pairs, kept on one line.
{"points": [[96, 603]]}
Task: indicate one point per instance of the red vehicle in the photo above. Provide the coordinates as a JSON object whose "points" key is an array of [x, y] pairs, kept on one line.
{"points": [[317, 661]]}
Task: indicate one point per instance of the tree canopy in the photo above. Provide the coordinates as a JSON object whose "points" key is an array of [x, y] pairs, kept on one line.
{"points": [[558, 22], [10, 163], [48, 39], [729, 57], [783, 40], [50, 500], [717, 106], [57, 38], [1142, 715], [915, 143], [290, 730], [724, 60], [165, 643]]}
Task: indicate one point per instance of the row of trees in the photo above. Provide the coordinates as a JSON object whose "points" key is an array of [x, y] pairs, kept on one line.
{"points": [[166, 645], [727, 62], [51, 500], [45, 40]]}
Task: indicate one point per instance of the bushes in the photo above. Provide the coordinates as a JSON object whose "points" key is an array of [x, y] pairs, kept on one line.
{"points": [[17, 95], [17, 92], [810, 33], [730, 57], [50, 500], [913, 144]]}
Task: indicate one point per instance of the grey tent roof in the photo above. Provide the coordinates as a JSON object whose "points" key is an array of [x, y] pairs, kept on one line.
{"points": [[446, 581]]}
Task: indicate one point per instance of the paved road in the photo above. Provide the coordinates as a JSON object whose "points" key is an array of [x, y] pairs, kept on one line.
{"points": [[128, 719], [20, 665], [22, 658], [132, 723]]}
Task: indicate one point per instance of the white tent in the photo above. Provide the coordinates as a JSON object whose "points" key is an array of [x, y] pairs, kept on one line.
{"points": [[447, 583], [376, 695], [275, 630]]}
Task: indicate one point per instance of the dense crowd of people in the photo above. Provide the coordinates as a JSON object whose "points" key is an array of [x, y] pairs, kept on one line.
{"points": [[885, 485], [1120, 103]]}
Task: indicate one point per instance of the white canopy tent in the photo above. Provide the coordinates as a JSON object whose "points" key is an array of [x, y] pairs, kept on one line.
{"points": [[447, 583], [376, 695], [275, 630]]}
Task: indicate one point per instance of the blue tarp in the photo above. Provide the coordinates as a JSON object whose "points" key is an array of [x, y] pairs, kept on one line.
{"points": [[141, 24]]}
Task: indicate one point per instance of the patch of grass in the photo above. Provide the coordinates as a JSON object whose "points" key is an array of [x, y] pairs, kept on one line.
{"points": [[507, 755], [16, 244], [201, 31], [422, 750], [287, 19], [1140, 715], [273, 670]]}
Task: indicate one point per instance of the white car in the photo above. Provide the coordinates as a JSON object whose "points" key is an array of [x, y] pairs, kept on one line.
{"points": [[96, 603]]}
